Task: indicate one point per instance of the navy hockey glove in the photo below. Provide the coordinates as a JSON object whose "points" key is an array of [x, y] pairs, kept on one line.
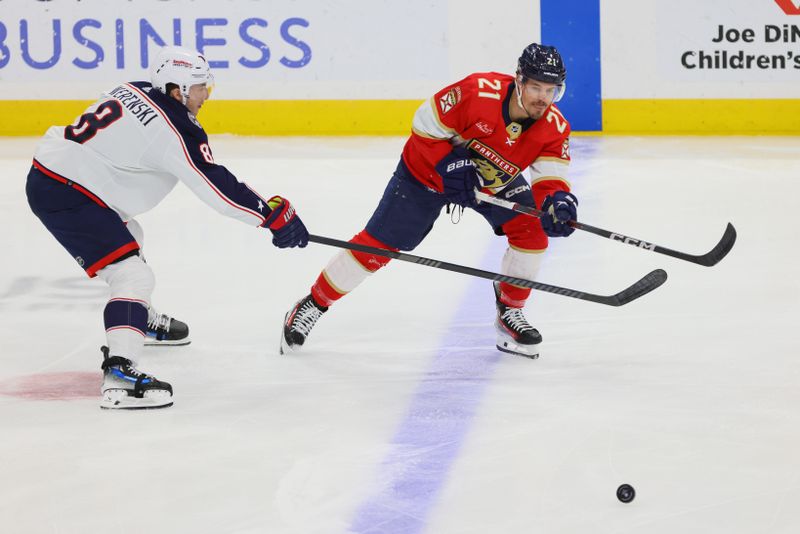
{"points": [[287, 228], [459, 177], [558, 209]]}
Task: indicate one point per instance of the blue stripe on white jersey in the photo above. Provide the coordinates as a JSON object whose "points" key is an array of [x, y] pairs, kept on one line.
{"points": [[198, 152], [133, 154]]}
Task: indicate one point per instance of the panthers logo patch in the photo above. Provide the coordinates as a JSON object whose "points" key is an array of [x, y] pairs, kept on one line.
{"points": [[495, 170]]}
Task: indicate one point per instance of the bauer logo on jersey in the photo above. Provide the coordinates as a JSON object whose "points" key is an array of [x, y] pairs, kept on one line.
{"points": [[565, 149], [448, 100], [495, 171]]}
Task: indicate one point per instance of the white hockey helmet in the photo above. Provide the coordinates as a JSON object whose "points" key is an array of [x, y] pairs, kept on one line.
{"points": [[182, 66]]}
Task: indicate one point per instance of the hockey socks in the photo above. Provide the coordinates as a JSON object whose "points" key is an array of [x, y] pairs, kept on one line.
{"points": [[126, 322], [347, 270], [514, 334]]}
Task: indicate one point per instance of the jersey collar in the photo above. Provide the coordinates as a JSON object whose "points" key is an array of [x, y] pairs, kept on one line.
{"points": [[527, 123]]}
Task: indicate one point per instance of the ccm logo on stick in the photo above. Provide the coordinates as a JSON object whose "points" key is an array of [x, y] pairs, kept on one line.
{"points": [[631, 241], [516, 190]]}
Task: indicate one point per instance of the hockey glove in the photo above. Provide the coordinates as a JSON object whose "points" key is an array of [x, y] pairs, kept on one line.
{"points": [[287, 228], [459, 177], [559, 209]]}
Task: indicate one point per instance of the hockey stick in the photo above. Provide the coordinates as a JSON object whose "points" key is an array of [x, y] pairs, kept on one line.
{"points": [[708, 259], [644, 286]]}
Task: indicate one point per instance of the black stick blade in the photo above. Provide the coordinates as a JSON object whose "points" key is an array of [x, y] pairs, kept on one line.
{"points": [[721, 250], [644, 286]]}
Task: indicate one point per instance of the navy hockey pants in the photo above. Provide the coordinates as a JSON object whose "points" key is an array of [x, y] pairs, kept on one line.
{"points": [[408, 209], [92, 233]]}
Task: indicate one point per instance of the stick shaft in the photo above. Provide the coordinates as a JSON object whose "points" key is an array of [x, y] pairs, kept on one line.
{"points": [[708, 259], [641, 287]]}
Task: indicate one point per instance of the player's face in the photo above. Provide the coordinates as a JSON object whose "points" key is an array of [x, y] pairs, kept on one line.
{"points": [[536, 96], [198, 94]]}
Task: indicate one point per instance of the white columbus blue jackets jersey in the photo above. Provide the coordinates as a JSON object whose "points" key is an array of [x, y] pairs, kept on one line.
{"points": [[133, 145]]}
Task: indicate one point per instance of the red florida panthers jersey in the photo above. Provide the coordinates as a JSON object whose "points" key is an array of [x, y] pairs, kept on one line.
{"points": [[474, 112]]}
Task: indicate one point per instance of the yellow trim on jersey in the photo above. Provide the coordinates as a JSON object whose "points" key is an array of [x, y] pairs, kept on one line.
{"points": [[545, 178], [699, 116], [438, 119], [426, 136], [553, 159], [245, 117]]}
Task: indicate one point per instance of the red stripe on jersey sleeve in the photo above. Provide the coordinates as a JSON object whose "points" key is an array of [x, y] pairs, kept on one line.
{"points": [[191, 163]]}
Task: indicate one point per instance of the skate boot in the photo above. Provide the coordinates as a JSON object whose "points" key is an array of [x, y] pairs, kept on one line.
{"points": [[126, 388], [164, 330], [514, 334], [299, 322]]}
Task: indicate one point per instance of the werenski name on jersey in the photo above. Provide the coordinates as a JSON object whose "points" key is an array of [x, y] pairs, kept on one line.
{"points": [[140, 109], [132, 146]]}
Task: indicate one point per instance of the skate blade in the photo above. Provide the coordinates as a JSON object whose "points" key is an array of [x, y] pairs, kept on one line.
{"points": [[150, 342], [285, 348], [118, 399], [507, 344]]}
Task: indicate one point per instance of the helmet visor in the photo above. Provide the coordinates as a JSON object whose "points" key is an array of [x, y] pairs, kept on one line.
{"points": [[210, 84], [548, 92], [560, 90]]}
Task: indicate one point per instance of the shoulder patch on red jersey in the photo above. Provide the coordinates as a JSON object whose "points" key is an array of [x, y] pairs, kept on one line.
{"points": [[448, 100]]}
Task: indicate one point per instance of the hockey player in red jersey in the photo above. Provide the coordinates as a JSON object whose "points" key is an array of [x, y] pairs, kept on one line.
{"points": [[120, 159], [480, 133]]}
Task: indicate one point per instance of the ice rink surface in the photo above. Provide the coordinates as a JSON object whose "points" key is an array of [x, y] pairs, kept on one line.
{"points": [[400, 416]]}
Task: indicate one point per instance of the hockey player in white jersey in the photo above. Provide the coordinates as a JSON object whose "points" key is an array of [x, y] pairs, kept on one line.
{"points": [[119, 159]]}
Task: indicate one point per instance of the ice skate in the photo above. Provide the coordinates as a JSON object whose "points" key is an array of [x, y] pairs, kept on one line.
{"points": [[514, 334], [126, 388], [165, 330], [299, 322]]}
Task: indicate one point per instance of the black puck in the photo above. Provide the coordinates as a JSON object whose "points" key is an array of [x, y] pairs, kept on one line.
{"points": [[626, 493]]}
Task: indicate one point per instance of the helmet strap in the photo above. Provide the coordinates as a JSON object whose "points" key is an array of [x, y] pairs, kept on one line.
{"points": [[518, 84]]}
